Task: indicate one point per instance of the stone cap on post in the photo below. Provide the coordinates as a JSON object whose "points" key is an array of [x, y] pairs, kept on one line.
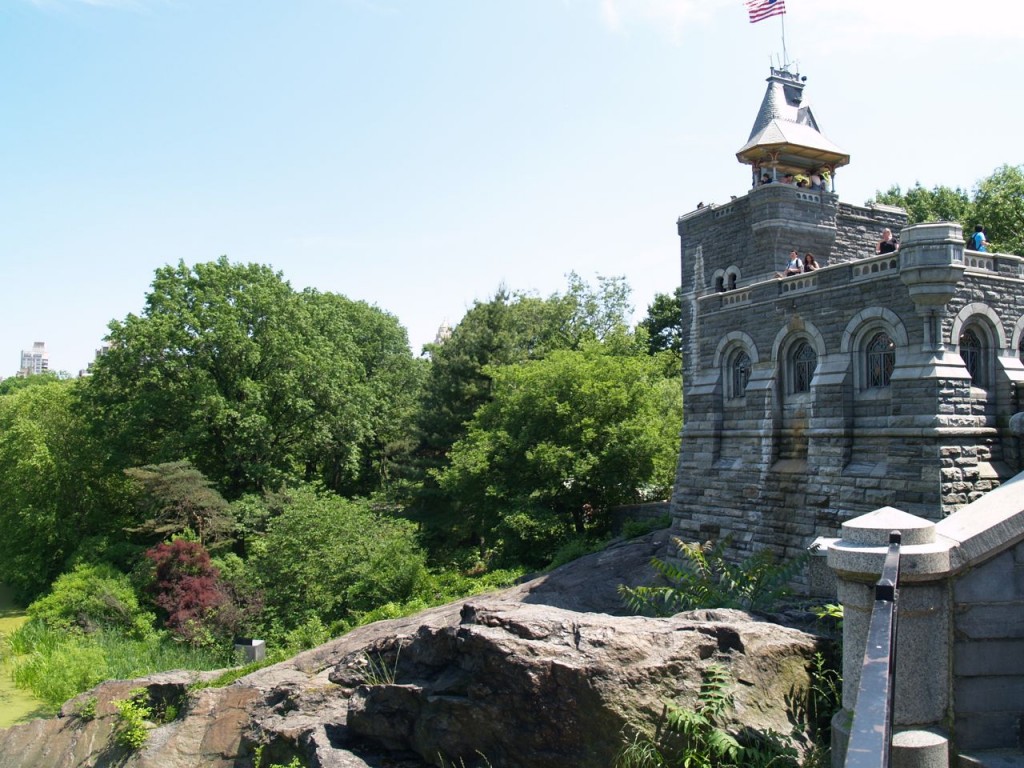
{"points": [[860, 551], [932, 262]]}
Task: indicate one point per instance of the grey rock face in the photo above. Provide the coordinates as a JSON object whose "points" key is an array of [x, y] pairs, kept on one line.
{"points": [[495, 678]]}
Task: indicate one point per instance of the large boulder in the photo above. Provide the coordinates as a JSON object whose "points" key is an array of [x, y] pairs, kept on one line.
{"points": [[500, 680]]}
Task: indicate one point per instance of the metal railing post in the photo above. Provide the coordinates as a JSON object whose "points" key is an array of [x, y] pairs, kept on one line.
{"points": [[870, 744]]}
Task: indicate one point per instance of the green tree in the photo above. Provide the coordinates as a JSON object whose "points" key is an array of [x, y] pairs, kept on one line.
{"points": [[924, 205], [999, 207], [508, 329], [390, 384], [255, 384], [327, 558], [54, 490], [176, 498], [664, 323], [997, 203], [14, 383], [570, 435]]}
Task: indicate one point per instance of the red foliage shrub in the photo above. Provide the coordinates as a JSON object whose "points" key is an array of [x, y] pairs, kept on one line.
{"points": [[186, 588]]}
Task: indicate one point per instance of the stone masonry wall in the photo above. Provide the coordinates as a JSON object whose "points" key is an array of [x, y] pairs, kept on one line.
{"points": [[988, 653], [859, 228]]}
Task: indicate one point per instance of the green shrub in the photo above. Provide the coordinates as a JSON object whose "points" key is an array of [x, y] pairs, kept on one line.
{"points": [[330, 557], [575, 548], [93, 596], [86, 709], [531, 536], [133, 713], [633, 529]]}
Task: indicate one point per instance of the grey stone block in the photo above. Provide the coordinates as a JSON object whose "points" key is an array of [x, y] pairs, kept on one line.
{"points": [[991, 582], [988, 658], [989, 694]]}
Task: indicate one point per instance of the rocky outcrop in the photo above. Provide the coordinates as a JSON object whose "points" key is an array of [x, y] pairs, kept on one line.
{"points": [[502, 679]]}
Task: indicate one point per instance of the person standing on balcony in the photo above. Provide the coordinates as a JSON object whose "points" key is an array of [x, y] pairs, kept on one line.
{"points": [[888, 243], [977, 241]]}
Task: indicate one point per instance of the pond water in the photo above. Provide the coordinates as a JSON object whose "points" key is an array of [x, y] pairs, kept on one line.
{"points": [[15, 704]]}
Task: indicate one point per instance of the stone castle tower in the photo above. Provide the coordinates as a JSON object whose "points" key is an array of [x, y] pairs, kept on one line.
{"points": [[876, 380]]}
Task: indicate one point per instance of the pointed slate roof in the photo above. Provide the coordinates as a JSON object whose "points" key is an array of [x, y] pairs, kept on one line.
{"points": [[785, 132]]}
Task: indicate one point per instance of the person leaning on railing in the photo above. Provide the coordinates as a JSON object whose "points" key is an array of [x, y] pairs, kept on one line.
{"points": [[888, 243]]}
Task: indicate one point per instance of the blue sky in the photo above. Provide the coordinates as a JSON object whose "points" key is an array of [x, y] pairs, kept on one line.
{"points": [[418, 154]]}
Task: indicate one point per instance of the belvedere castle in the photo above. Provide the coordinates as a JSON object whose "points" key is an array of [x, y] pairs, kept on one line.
{"points": [[876, 380]]}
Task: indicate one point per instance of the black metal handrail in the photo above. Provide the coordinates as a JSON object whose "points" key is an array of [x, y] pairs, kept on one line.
{"points": [[870, 744]]}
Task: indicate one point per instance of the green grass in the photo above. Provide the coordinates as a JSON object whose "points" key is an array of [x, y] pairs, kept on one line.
{"points": [[57, 666]]}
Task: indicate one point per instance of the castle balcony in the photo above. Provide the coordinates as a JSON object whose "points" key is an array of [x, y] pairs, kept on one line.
{"points": [[843, 276]]}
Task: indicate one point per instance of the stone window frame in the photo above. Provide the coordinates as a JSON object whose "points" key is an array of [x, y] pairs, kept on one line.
{"points": [[1017, 339], [727, 279], [787, 343], [862, 329], [732, 277], [980, 320], [730, 352]]}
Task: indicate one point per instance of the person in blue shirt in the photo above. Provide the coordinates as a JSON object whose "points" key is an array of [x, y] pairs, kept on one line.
{"points": [[977, 241]]}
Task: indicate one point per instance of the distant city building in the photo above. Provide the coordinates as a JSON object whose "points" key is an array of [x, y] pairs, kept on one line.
{"points": [[35, 360], [99, 353]]}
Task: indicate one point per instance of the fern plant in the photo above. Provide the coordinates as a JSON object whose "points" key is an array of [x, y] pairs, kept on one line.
{"points": [[705, 578], [697, 738]]}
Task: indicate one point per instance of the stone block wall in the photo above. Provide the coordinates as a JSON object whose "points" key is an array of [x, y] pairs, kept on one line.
{"points": [[988, 653], [859, 228]]}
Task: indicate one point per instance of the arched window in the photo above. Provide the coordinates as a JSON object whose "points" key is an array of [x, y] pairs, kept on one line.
{"points": [[880, 358], [739, 373], [804, 361], [732, 281], [973, 353], [719, 283], [1020, 348]]}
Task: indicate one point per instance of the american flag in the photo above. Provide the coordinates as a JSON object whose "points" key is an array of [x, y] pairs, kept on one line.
{"points": [[759, 10]]}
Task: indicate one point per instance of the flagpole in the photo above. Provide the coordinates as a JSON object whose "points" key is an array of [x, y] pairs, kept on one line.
{"points": [[785, 57]]}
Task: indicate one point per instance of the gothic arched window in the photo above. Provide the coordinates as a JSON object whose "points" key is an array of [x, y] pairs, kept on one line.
{"points": [[739, 373], [880, 358], [804, 361], [973, 353]]}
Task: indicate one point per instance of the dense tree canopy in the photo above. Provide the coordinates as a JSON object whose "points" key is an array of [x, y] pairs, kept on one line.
{"points": [[327, 558], [999, 207], [54, 491], [253, 383], [574, 433]]}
